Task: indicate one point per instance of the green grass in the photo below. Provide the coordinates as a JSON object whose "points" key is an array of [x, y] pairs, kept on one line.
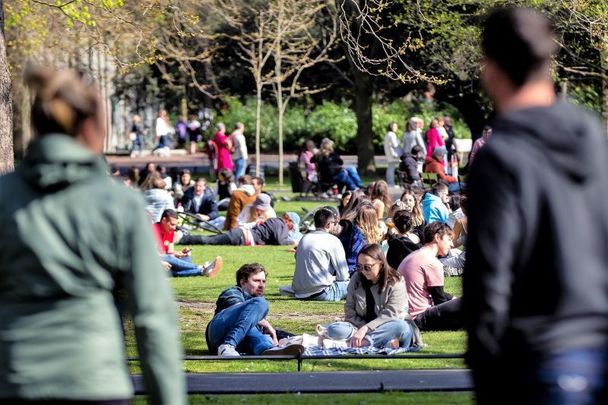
{"points": [[418, 398], [196, 298]]}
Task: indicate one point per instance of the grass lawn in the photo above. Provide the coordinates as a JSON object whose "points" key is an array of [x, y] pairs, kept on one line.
{"points": [[196, 298], [418, 398]]}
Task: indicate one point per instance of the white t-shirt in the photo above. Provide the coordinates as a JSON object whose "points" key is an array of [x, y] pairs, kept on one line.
{"points": [[392, 151]]}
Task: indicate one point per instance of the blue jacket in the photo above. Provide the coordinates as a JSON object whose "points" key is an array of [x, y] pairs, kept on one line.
{"points": [[208, 205], [434, 209], [353, 240]]}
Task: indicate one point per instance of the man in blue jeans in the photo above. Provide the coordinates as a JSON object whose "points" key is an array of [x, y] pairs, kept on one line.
{"points": [[179, 262], [239, 323]]}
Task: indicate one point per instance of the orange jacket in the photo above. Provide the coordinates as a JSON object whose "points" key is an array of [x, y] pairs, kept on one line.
{"points": [[435, 166], [238, 200]]}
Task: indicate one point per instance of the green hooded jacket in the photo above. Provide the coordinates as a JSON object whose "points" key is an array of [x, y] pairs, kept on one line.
{"points": [[70, 238]]}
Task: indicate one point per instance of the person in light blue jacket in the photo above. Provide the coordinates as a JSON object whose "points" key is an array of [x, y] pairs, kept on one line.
{"points": [[434, 204]]}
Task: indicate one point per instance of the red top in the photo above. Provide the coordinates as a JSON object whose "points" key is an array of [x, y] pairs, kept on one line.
{"points": [[164, 239], [224, 158]]}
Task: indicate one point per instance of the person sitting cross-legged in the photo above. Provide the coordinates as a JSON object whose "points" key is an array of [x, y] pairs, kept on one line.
{"points": [[431, 307], [239, 323], [375, 313], [321, 270], [179, 262], [274, 231]]}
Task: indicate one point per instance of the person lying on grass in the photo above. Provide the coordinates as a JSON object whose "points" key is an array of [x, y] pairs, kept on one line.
{"points": [[375, 313], [179, 263], [239, 323], [273, 231]]}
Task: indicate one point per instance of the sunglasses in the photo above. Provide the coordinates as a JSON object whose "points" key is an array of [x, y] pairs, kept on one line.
{"points": [[365, 267]]}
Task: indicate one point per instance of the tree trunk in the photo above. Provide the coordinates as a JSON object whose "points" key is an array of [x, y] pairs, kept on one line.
{"points": [[604, 65], [258, 113], [7, 158], [363, 111]]}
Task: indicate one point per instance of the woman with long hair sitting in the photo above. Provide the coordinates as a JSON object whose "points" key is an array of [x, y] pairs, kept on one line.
{"points": [[375, 313], [411, 201]]}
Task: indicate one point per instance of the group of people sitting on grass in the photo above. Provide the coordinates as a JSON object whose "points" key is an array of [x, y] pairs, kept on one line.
{"points": [[386, 259]]}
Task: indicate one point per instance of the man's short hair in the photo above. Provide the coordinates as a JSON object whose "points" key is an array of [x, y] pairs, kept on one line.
{"points": [[247, 270], [435, 228], [201, 179], [168, 213], [258, 179], [322, 217], [520, 41], [438, 187]]}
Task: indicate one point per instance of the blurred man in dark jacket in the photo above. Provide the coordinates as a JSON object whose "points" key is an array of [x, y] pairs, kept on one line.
{"points": [[536, 277]]}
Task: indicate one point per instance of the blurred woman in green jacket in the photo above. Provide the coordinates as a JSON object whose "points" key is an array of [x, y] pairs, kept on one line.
{"points": [[71, 237]]}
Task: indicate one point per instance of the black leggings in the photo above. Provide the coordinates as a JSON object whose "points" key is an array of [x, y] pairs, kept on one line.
{"points": [[445, 316]]}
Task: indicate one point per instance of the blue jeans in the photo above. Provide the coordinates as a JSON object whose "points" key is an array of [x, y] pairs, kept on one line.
{"points": [[390, 172], [379, 337], [217, 222], [163, 141], [237, 326], [568, 377], [334, 292], [348, 177], [182, 267], [239, 168], [454, 187]]}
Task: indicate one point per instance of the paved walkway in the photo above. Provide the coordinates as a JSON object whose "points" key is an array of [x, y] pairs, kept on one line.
{"points": [[327, 382], [200, 161]]}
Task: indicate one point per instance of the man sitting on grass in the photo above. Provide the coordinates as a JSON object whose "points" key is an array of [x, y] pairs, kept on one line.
{"points": [[239, 323], [179, 262], [321, 270], [273, 231], [431, 307]]}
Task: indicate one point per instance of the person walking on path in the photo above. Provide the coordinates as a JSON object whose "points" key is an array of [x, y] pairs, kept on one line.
{"points": [[535, 295], [163, 130], [224, 148], [240, 149], [73, 240], [392, 151]]}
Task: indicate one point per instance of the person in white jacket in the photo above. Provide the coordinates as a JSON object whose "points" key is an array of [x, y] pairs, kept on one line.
{"points": [[392, 151]]}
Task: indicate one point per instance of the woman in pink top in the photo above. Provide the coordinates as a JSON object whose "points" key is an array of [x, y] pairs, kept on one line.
{"points": [[433, 138], [224, 147]]}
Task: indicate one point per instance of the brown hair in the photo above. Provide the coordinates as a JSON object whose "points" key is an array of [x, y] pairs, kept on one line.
{"points": [[417, 217], [63, 100], [367, 221], [247, 270], [388, 275]]}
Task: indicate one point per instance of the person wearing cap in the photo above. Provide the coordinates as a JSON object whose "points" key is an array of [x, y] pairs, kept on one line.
{"points": [[257, 212], [435, 164], [321, 272], [274, 231]]}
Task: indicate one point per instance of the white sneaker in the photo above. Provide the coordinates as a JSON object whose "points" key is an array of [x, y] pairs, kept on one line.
{"points": [[210, 269], [227, 351]]}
